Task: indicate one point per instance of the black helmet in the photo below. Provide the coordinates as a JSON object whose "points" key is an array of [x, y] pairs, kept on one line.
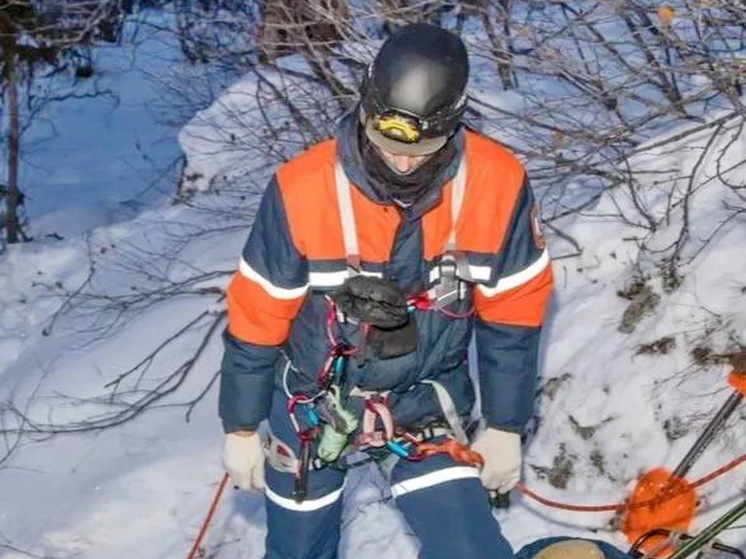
{"points": [[413, 94]]}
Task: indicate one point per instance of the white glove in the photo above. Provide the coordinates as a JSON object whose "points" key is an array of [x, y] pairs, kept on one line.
{"points": [[501, 451], [243, 459]]}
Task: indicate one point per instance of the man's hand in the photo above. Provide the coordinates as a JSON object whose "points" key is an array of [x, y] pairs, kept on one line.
{"points": [[501, 451], [243, 459]]}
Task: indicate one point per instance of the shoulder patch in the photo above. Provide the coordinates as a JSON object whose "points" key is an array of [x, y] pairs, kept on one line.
{"points": [[539, 239]]}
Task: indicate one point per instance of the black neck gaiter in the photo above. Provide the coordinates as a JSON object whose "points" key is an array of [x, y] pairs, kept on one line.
{"points": [[404, 188]]}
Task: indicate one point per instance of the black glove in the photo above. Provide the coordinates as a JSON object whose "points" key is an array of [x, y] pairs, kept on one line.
{"points": [[383, 306], [375, 301], [389, 343]]}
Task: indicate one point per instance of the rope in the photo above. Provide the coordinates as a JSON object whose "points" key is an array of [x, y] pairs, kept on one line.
{"points": [[623, 506], [208, 518], [566, 506], [720, 471]]}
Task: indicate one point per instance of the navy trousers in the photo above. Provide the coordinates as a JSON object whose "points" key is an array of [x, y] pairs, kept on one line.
{"points": [[442, 501]]}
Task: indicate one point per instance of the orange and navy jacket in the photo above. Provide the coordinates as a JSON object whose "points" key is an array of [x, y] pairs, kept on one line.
{"points": [[295, 255]]}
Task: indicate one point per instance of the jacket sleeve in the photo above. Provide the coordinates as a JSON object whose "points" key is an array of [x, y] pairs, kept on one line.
{"points": [[264, 295], [510, 311]]}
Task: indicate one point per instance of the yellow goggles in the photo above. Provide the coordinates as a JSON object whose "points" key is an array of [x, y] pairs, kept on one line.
{"points": [[398, 127]]}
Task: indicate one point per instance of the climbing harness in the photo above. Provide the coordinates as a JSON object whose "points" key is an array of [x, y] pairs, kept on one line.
{"points": [[327, 425]]}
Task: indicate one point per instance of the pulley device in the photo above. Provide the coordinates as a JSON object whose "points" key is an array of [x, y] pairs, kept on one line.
{"points": [[663, 502]]}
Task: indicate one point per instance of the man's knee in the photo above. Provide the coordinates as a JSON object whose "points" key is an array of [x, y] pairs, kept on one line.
{"points": [[431, 479], [446, 506]]}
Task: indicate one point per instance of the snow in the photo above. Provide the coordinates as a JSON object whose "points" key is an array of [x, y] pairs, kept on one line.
{"points": [[122, 144], [143, 487]]}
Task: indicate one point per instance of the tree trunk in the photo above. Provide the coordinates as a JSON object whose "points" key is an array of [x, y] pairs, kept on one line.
{"points": [[12, 224], [500, 44], [506, 65]]}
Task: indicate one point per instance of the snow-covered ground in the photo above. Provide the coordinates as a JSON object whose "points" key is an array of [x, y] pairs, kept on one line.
{"points": [[100, 150], [607, 411]]}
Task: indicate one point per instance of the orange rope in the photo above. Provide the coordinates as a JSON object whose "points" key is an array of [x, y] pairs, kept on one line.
{"points": [[622, 506], [208, 519]]}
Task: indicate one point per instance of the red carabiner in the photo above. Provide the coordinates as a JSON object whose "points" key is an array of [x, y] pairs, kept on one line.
{"points": [[420, 302]]}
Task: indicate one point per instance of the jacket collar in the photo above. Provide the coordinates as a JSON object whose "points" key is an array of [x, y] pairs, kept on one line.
{"points": [[349, 153]]}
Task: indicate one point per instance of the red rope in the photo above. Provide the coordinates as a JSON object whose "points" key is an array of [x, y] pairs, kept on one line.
{"points": [[459, 452], [566, 506], [720, 471], [621, 506], [331, 318], [208, 519]]}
